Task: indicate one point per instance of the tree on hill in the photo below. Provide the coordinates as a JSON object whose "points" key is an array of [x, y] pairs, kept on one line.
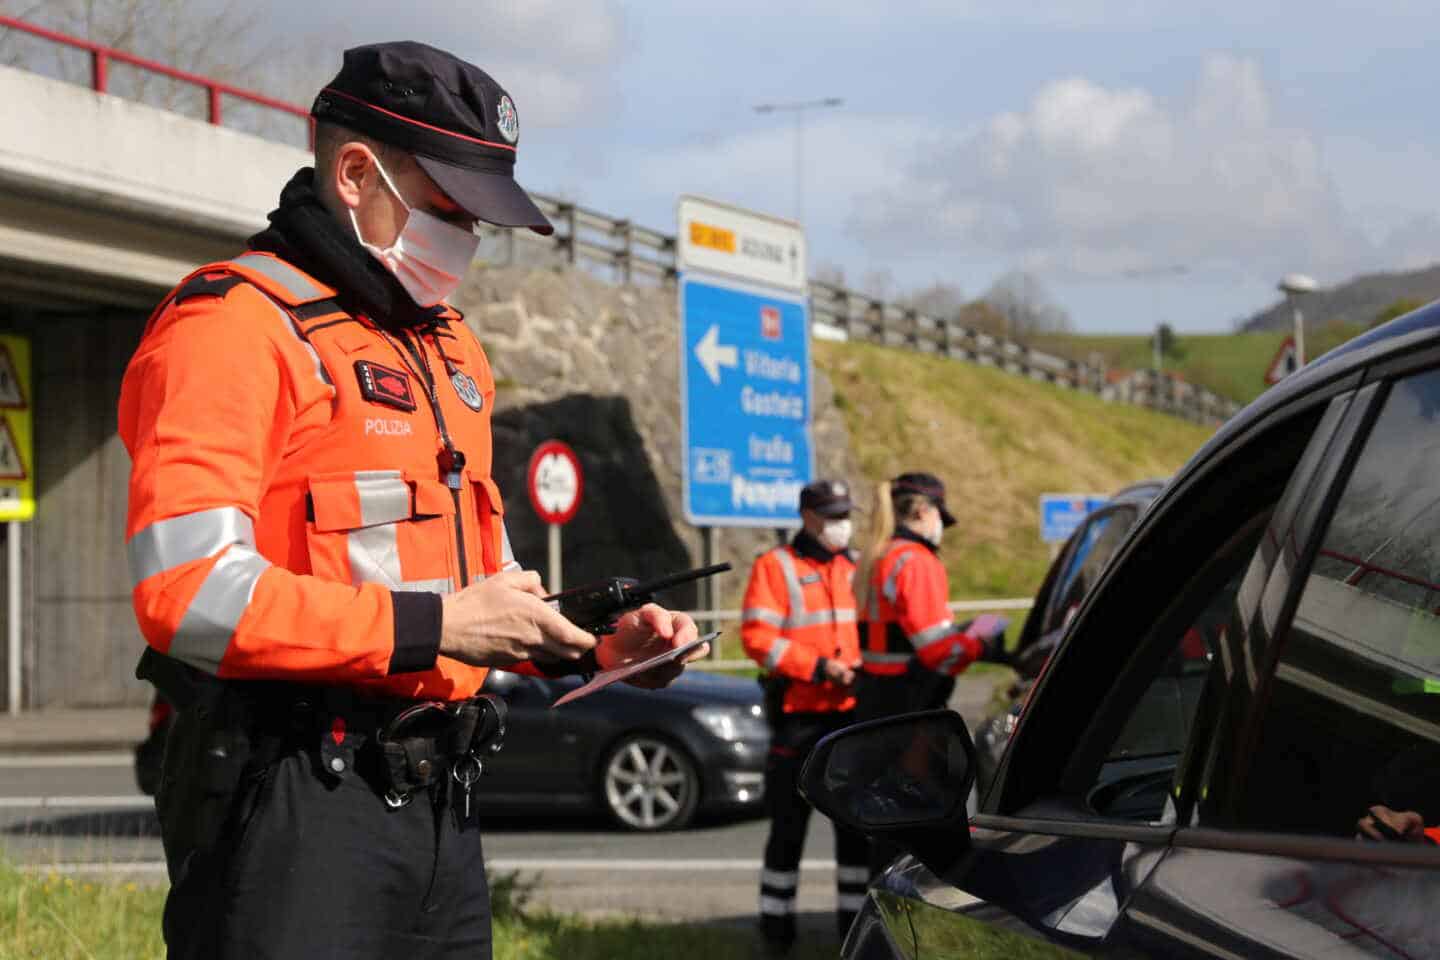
{"points": [[1026, 306], [1169, 343]]}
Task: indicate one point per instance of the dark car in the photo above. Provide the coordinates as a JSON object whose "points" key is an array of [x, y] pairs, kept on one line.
{"points": [[1076, 568], [1290, 806], [649, 759]]}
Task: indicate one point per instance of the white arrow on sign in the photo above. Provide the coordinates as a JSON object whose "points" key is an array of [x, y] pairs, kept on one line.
{"points": [[712, 355]]}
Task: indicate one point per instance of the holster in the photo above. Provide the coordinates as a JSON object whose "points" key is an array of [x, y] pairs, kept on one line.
{"points": [[207, 752]]}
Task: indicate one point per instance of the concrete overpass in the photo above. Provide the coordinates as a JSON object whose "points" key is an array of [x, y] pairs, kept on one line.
{"points": [[104, 204]]}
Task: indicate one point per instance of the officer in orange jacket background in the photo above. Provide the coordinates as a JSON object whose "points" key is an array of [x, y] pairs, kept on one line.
{"points": [[800, 626], [912, 649], [319, 553]]}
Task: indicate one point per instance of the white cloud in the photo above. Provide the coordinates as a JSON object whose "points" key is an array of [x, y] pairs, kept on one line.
{"points": [[1094, 180]]}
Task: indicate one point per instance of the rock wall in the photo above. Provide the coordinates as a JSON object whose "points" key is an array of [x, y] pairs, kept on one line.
{"points": [[598, 366]]}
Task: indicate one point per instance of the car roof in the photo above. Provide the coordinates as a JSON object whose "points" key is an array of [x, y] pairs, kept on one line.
{"points": [[1143, 491]]}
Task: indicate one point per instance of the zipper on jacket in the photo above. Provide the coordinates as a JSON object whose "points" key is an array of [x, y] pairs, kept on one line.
{"points": [[451, 460]]}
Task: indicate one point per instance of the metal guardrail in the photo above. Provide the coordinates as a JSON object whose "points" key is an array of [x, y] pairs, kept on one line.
{"points": [[589, 237]]}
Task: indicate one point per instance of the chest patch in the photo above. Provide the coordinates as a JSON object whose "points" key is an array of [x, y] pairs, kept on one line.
{"points": [[467, 390], [385, 386]]}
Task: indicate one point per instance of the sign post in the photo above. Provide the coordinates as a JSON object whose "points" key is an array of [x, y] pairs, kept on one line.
{"points": [[744, 366], [555, 483], [17, 497]]}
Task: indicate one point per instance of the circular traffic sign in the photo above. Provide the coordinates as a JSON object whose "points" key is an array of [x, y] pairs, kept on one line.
{"points": [[555, 482]]}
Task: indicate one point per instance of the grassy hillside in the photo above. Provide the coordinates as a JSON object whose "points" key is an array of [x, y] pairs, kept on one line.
{"points": [[1233, 365], [998, 441]]}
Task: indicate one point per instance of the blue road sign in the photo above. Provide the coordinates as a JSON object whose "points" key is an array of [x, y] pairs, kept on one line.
{"points": [[745, 382], [1062, 513]]}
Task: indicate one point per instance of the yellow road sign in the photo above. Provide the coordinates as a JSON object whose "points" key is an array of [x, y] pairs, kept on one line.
{"points": [[17, 446]]}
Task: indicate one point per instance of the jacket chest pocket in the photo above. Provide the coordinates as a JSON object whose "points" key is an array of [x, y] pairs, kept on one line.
{"points": [[382, 526]]}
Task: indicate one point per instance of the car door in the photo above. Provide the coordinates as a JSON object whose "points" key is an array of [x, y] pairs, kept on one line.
{"points": [[1333, 714], [1085, 804], [527, 769]]}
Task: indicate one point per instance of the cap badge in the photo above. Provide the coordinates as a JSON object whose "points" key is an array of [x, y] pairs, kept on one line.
{"points": [[507, 120], [467, 391]]}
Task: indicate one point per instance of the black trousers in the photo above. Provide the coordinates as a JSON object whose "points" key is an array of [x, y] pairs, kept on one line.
{"points": [[792, 738], [317, 865]]}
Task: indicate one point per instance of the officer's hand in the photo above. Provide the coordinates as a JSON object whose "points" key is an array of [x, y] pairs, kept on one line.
{"points": [[838, 673], [646, 633], [1382, 823], [504, 620]]}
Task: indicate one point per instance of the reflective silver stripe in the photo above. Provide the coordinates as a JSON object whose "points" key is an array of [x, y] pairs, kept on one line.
{"points": [[892, 582], [792, 581], [819, 617], [384, 496], [852, 874], [167, 544], [776, 906], [780, 879], [777, 650], [441, 585], [951, 661], [850, 902], [871, 657], [374, 554], [933, 634], [763, 616], [294, 329], [874, 606], [295, 283], [209, 623], [507, 553]]}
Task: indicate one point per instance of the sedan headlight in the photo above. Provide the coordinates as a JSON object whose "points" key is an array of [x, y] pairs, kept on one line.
{"points": [[733, 723]]}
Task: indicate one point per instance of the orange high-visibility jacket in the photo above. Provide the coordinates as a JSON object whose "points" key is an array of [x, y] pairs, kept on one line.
{"points": [[292, 514], [908, 616], [799, 611]]}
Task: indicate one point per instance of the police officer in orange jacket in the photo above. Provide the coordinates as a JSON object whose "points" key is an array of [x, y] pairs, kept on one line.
{"points": [[800, 626], [912, 648], [319, 553]]}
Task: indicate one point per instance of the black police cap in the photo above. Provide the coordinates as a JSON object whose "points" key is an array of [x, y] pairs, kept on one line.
{"points": [[926, 484], [451, 116], [828, 498]]}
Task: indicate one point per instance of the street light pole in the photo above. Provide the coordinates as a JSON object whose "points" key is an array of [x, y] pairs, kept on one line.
{"points": [[798, 108], [1293, 286]]}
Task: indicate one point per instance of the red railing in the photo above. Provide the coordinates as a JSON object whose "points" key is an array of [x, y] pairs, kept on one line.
{"points": [[215, 90], [1363, 568]]}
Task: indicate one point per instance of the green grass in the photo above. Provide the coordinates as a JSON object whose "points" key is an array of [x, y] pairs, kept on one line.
{"points": [[998, 441], [59, 918], [1233, 364]]}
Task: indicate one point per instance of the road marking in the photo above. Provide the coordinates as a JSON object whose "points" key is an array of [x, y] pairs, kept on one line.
{"points": [[40, 760], [642, 866], [502, 863], [133, 801]]}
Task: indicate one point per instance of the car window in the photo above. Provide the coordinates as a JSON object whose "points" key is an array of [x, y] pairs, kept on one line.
{"points": [[1352, 720], [1100, 539], [1137, 775]]}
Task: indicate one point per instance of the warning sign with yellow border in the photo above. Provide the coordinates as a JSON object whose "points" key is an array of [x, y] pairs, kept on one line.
{"points": [[17, 447]]}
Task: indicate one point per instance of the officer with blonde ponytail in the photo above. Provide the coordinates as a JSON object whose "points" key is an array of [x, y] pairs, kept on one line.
{"points": [[911, 647]]}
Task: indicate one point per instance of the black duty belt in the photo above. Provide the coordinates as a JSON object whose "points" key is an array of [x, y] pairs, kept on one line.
{"points": [[427, 741]]}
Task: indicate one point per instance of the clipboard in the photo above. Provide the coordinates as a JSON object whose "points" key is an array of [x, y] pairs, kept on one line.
{"points": [[606, 678]]}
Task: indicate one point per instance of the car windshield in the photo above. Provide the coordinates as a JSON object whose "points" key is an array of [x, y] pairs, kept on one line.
{"points": [[1098, 542]]}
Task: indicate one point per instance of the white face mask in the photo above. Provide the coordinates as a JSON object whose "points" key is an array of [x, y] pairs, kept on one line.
{"points": [[937, 531], [835, 535], [429, 257]]}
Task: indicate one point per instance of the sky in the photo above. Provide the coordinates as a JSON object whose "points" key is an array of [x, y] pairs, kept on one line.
{"points": [[1149, 162]]}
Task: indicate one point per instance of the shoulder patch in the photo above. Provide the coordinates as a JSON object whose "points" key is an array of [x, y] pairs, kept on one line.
{"points": [[207, 285]]}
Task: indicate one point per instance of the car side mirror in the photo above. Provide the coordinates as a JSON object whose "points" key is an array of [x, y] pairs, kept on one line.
{"points": [[907, 777]]}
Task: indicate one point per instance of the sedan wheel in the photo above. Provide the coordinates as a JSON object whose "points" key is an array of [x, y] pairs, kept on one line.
{"points": [[650, 784]]}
